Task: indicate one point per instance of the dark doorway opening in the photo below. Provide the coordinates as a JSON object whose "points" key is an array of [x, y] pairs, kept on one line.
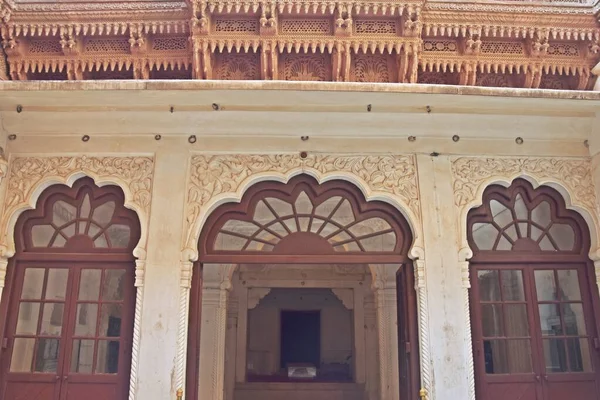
{"points": [[300, 337]]}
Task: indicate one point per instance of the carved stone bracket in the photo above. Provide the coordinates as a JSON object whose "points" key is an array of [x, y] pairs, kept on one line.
{"points": [[346, 296], [255, 295], [215, 179]]}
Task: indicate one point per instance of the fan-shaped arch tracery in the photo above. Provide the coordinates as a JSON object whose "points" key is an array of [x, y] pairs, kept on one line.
{"points": [[302, 217]]}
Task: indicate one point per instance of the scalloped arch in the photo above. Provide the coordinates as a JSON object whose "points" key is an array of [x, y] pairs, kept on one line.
{"points": [[195, 227], [20, 197]]}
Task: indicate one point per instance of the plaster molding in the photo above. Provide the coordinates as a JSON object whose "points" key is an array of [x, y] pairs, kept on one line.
{"points": [[218, 179], [255, 295], [571, 177], [346, 296]]}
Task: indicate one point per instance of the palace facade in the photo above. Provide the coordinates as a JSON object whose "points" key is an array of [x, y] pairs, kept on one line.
{"points": [[291, 200]]}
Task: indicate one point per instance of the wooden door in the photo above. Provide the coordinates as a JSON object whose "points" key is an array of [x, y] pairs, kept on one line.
{"points": [[69, 332]]}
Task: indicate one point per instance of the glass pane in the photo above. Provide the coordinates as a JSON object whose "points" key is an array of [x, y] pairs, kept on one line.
{"points": [[22, 355], [541, 214], [118, 235], [568, 281], [573, 319], [52, 319], [507, 356], [110, 320], [579, 355], [563, 236], [545, 285], [303, 221], [107, 360], [369, 226], [281, 207], [84, 211], [41, 235], [62, 213], [229, 242], [516, 321], [281, 231], [520, 208], [27, 319], [550, 320], [385, 242], [535, 232], [57, 283], [69, 231], [326, 208], [303, 204], [546, 245], [511, 231], [512, 285], [489, 285], [114, 281], [484, 236], [503, 244], [555, 355], [502, 215], [101, 242], [523, 229], [89, 284], [262, 214], [82, 356], [104, 213], [259, 246], [46, 358], [344, 214], [33, 283], [85, 325], [59, 241], [491, 320]]}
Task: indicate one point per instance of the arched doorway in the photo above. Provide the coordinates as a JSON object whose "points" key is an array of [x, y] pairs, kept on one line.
{"points": [[69, 301], [315, 243], [533, 297]]}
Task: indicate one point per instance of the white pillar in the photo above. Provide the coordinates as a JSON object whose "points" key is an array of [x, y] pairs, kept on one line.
{"points": [[384, 287], [216, 283]]}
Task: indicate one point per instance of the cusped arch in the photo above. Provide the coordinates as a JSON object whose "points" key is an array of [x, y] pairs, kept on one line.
{"points": [[570, 203], [27, 200], [190, 252]]}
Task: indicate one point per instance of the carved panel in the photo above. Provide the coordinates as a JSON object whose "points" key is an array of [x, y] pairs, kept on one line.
{"points": [[212, 176], [502, 47], [494, 80], [170, 43], [305, 67], [46, 46], [373, 68], [442, 46], [438, 78], [557, 82], [236, 66], [575, 174], [248, 26], [108, 46], [375, 27], [307, 26], [563, 49]]}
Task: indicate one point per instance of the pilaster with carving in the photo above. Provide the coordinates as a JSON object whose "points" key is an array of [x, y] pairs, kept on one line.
{"points": [[216, 284], [423, 315]]}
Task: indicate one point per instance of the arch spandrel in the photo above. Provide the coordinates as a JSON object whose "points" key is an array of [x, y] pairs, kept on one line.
{"points": [[29, 176], [571, 177], [218, 179]]}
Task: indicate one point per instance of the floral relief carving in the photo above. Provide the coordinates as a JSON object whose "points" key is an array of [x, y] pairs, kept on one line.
{"points": [[372, 68], [575, 174], [238, 67], [306, 67], [26, 173], [214, 175]]}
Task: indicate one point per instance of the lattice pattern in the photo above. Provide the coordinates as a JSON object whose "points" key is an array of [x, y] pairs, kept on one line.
{"points": [[444, 46], [556, 82], [494, 80], [438, 78], [86, 218], [372, 68], [306, 26], [522, 223], [169, 43], [45, 46], [233, 66], [306, 67], [563, 49], [502, 47], [333, 220], [237, 26], [376, 27], [107, 46]]}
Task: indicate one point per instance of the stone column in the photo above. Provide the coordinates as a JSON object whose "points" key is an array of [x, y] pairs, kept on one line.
{"points": [[216, 284], [384, 288]]}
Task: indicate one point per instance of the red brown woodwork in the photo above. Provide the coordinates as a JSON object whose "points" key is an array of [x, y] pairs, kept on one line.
{"points": [[300, 223], [533, 297], [69, 301]]}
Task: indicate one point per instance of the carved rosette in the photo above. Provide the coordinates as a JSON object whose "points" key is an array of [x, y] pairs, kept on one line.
{"points": [[28, 174], [215, 178]]}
